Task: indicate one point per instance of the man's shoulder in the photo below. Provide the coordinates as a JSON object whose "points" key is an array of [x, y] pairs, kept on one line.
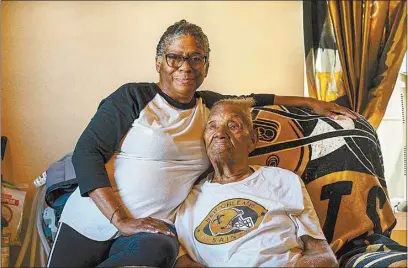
{"points": [[277, 172], [284, 185], [280, 177]]}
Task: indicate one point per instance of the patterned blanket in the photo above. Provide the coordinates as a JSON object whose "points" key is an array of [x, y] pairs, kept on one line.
{"points": [[341, 164]]}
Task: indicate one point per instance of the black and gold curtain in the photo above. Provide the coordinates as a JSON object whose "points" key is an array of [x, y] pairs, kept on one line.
{"points": [[354, 50]]}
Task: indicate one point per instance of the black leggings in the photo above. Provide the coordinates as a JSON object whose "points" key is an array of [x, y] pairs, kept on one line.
{"points": [[71, 249]]}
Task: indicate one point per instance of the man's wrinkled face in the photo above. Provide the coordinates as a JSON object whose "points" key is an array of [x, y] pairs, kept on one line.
{"points": [[227, 135]]}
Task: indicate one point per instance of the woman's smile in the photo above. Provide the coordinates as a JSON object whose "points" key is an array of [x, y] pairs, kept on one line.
{"points": [[185, 80]]}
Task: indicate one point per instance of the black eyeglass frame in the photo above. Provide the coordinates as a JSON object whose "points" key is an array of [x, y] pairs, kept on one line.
{"points": [[185, 59]]}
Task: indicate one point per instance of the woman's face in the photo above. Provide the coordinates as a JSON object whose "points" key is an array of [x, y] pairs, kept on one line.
{"points": [[181, 83]]}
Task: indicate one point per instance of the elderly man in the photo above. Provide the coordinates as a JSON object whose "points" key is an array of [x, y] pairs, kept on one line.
{"points": [[244, 215]]}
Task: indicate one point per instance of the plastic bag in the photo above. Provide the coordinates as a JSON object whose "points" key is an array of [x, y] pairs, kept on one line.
{"points": [[12, 205]]}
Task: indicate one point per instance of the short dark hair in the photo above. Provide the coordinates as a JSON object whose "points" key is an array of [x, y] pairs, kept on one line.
{"points": [[182, 28]]}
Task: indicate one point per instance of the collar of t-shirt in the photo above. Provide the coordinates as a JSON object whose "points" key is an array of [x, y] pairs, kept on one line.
{"points": [[209, 183]]}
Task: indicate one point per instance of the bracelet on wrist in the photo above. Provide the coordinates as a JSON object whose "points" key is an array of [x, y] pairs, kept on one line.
{"points": [[114, 212]]}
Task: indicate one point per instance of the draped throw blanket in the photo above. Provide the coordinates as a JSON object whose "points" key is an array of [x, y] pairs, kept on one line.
{"points": [[341, 164]]}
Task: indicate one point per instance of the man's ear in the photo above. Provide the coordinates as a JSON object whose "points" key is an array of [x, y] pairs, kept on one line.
{"points": [[158, 63], [254, 139]]}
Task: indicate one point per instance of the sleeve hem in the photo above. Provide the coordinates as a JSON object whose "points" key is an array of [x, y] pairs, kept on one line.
{"points": [[84, 190]]}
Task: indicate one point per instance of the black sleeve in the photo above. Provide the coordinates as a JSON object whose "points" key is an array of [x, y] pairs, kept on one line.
{"points": [[210, 97], [99, 140]]}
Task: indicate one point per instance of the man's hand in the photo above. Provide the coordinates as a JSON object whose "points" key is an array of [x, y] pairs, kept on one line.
{"points": [[316, 253], [130, 226], [186, 261]]}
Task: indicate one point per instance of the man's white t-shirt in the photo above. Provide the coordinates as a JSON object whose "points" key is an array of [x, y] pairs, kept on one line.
{"points": [[258, 221]]}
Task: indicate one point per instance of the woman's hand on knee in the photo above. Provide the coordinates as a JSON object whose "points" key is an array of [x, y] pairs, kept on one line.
{"points": [[131, 226]]}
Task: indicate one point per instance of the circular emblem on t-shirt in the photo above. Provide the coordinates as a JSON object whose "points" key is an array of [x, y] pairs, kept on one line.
{"points": [[229, 221]]}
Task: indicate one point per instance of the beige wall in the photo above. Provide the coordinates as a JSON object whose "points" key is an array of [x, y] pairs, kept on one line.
{"points": [[59, 59]]}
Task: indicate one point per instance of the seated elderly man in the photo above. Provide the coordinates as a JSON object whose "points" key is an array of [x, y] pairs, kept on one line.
{"points": [[243, 215]]}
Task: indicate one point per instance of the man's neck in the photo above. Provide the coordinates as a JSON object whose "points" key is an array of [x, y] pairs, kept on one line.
{"points": [[230, 172]]}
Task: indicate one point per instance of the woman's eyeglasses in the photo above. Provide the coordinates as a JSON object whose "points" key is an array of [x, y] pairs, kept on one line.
{"points": [[195, 61]]}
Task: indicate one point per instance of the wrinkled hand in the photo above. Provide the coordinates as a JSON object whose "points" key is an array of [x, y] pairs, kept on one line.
{"points": [[130, 226], [331, 110]]}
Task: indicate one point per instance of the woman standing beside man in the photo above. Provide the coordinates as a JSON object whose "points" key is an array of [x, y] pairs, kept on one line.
{"points": [[154, 134]]}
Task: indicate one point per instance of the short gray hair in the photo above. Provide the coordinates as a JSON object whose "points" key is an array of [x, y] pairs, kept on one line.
{"points": [[182, 28], [244, 104]]}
